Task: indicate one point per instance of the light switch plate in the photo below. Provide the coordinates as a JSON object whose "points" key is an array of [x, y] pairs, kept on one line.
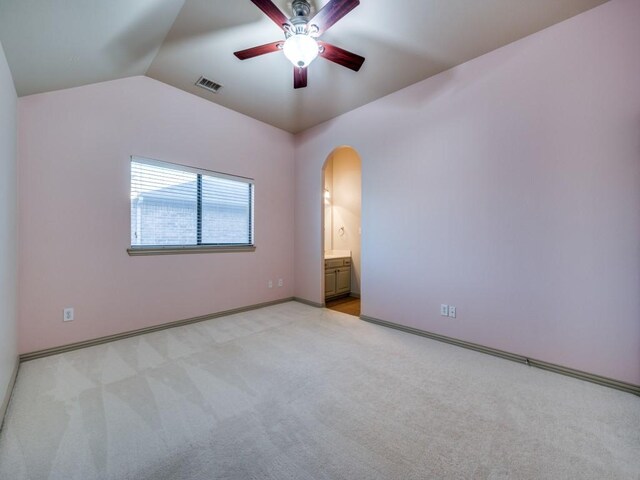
{"points": [[452, 311], [444, 310]]}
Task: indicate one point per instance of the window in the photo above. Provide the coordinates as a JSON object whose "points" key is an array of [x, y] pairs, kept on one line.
{"points": [[177, 209]]}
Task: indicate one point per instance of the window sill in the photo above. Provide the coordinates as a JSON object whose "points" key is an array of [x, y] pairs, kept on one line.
{"points": [[144, 251]]}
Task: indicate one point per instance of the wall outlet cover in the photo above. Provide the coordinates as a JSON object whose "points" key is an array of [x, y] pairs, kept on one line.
{"points": [[68, 314], [444, 310], [452, 311]]}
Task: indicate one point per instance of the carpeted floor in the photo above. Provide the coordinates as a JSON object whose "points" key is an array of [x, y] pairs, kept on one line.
{"points": [[294, 392]]}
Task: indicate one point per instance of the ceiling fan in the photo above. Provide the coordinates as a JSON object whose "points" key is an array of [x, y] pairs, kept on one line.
{"points": [[300, 45]]}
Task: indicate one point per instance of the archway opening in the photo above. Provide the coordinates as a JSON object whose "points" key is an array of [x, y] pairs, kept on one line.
{"points": [[342, 231]]}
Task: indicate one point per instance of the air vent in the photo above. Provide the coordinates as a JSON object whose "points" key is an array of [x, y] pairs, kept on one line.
{"points": [[209, 85]]}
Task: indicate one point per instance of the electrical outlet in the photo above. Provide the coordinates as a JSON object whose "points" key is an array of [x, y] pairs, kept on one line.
{"points": [[270, 284], [280, 282], [444, 310], [452, 311], [67, 315]]}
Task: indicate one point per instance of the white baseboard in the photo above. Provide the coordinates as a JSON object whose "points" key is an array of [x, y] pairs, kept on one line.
{"points": [[308, 302], [25, 357], [7, 397], [589, 377]]}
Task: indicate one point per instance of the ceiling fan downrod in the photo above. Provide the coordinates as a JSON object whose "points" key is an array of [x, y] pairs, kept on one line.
{"points": [[301, 8], [300, 20]]}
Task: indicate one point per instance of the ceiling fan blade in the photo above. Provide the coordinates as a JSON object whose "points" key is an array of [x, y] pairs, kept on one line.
{"points": [[341, 57], [261, 50], [331, 13], [299, 77], [271, 11]]}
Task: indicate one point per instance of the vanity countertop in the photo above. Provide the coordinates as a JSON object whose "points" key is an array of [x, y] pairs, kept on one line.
{"points": [[331, 254]]}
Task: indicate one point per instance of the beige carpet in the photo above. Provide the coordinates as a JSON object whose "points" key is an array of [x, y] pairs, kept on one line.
{"points": [[293, 392]]}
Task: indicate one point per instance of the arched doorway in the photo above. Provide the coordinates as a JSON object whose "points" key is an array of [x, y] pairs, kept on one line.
{"points": [[341, 230]]}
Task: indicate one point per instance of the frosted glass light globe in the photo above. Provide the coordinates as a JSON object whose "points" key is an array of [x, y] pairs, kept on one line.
{"points": [[301, 50]]}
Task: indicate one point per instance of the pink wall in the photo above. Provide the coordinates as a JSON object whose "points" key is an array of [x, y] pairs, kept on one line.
{"points": [[8, 228], [74, 148], [508, 187]]}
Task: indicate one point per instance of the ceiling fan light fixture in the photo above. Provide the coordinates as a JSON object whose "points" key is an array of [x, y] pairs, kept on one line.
{"points": [[301, 49]]}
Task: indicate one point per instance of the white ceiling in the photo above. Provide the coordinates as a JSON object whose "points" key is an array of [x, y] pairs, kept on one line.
{"points": [[55, 44]]}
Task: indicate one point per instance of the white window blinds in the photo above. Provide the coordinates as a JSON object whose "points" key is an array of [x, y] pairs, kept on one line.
{"points": [[177, 206]]}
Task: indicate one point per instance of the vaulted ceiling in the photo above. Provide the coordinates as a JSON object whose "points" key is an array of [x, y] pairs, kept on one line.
{"points": [[55, 44]]}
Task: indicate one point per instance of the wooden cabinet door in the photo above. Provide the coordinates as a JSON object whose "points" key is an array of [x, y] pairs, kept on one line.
{"points": [[343, 280], [330, 283]]}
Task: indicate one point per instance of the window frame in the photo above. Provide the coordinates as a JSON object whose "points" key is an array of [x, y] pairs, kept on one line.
{"points": [[139, 250]]}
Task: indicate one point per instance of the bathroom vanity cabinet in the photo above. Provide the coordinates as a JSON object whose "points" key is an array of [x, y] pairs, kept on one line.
{"points": [[337, 277]]}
